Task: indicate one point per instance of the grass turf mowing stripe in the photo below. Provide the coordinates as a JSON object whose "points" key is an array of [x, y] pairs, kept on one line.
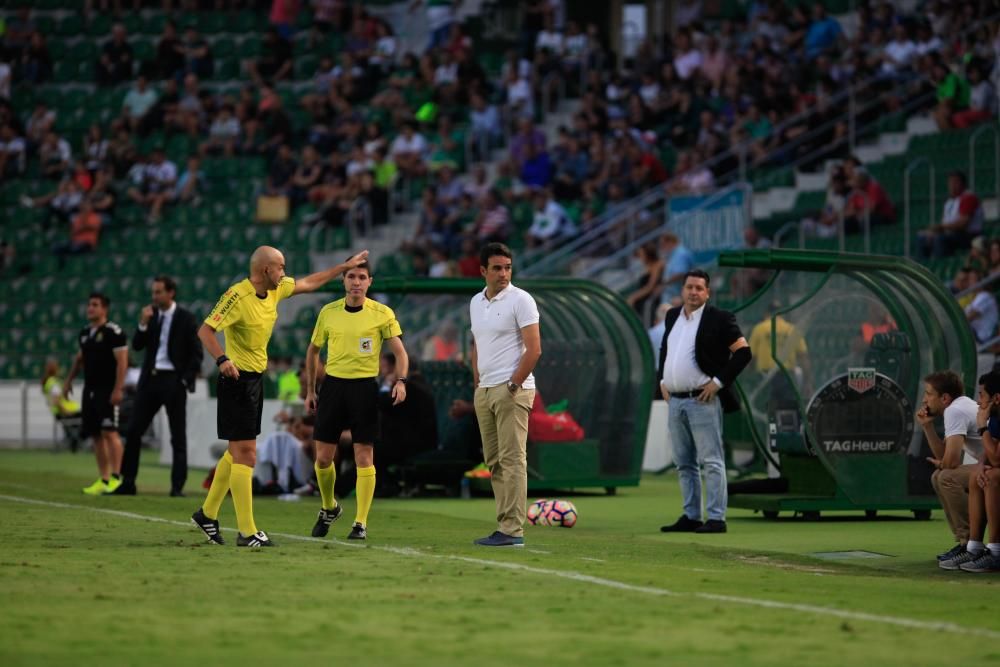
{"points": [[831, 612]]}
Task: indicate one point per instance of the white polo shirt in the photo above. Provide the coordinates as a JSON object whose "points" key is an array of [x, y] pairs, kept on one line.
{"points": [[496, 328]]}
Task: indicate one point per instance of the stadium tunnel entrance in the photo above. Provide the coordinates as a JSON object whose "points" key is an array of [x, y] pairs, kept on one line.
{"points": [[596, 372], [841, 342]]}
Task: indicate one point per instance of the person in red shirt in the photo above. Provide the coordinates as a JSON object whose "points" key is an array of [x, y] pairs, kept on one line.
{"points": [[468, 264], [961, 221], [83, 234], [867, 196]]}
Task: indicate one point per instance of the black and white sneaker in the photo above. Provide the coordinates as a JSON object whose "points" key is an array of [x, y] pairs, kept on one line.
{"points": [[208, 526], [358, 532], [258, 539], [987, 561], [951, 553], [956, 562], [324, 519]]}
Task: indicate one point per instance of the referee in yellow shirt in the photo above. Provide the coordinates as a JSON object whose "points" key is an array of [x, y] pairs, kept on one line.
{"points": [[246, 313], [352, 329]]}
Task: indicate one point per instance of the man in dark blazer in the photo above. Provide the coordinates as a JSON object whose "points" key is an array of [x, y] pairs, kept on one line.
{"points": [[169, 334], [701, 354]]}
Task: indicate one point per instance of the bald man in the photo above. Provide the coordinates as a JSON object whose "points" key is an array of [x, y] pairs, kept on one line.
{"points": [[246, 313]]}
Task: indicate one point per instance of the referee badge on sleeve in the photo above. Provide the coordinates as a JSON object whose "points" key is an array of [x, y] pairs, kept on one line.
{"points": [[365, 346]]}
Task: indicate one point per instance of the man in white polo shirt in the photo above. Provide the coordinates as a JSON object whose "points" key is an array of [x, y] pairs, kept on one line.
{"points": [[506, 346], [954, 456]]}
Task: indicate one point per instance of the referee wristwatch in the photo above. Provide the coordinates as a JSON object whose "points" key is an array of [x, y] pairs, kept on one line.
{"points": [[401, 379], [513, 387]]}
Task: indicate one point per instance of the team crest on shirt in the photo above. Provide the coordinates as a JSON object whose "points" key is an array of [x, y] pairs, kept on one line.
{"points": [[99, 337], [366, 346]]}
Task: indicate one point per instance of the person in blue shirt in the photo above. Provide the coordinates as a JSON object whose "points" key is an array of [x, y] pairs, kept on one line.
{"points": [[984, 485], [823, 33]]}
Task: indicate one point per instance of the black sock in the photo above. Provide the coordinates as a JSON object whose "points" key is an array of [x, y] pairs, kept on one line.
{"points": [[104, 479], [116, 475]]}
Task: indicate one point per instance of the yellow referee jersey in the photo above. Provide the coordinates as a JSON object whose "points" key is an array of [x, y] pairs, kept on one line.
{"points": [[248, 321], [354, 340]]}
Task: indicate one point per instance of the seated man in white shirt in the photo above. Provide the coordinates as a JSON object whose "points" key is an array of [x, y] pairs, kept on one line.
{"points": [[954, 457], [159, 178], [285, 458], [551, 223], [409, 150]]}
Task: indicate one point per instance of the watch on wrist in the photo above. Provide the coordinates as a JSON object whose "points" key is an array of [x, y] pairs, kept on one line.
{"points": [[221, 359], [401, 379], [512, 386]]}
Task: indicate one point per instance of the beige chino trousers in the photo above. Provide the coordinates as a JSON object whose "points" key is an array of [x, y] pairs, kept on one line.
{"points": [[503, 425], [952, 488]]}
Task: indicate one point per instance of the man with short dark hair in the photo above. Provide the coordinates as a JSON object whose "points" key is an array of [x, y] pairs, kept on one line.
{"points": [[103, 356], [169, 334], [352, 330], [506, 346], [984, 483], [961, 221], [944, 395], [702, 353]]}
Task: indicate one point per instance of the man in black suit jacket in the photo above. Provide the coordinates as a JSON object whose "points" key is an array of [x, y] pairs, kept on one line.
{"points": [[169, 334], [701, 354]]}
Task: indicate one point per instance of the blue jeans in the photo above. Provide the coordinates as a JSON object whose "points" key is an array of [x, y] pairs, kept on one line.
{"points": [[696, 440]]}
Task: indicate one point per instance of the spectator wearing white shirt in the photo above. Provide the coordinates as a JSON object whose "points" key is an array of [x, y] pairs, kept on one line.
{"points": [[520, 98], [223, 133], [550, 222], [95, 148], [961, 221], [39, 124], [981, 313], [485, 125], [687, 59], [550, 38], [982, 99], [55, 156], [6, 74], [157, 189], [138, 101], [409, 149], [898, 54]]}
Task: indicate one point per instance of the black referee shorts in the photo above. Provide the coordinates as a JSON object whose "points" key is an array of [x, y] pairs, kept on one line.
{"points": [[97, 415], [347, 404], [241, 405]]}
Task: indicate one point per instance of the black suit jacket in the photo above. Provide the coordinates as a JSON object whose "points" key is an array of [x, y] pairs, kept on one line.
{"points": [[716, 332], [183, 346]]}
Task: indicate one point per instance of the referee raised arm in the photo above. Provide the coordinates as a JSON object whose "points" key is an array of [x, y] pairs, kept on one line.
{"points": [[247, 313]]}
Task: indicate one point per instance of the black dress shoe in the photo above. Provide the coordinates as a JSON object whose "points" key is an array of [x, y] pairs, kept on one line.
{"points": [[176, 493], [712, 526], [682, 525], [126, 489]]}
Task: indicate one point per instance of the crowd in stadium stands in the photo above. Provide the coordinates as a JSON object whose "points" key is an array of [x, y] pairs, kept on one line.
{"points": [[667, 117]]}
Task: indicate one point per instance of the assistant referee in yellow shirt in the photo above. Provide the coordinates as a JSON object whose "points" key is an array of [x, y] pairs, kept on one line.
{"points": [[353, 330], [246, 313]]}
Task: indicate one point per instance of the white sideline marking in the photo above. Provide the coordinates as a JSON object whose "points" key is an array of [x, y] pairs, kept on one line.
{"points": [[830, 612]]}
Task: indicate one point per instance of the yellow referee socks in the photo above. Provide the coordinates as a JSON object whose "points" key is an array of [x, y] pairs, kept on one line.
{"points": [[327, 479], [241, 486], [220, 486], [365, 491]]}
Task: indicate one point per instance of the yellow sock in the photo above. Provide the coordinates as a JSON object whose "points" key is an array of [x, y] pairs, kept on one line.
{"points": [[220, 487], [327, 478], [241, 486], [365, 491]]}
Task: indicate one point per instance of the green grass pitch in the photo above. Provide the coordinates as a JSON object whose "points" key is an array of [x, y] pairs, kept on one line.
{"points": [[127, 581]]}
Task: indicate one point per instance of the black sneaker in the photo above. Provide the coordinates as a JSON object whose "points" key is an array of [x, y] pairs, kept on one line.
{"points": [[951, 553], [984, 562], [208, 526], [682, 525], [956, 562], [258, 539], [712, 526], [324, 519], [358, 532]]}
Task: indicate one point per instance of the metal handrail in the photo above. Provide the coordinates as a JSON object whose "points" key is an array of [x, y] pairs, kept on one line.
{"points": [[991, 128], [912, 166], [786, 228]]}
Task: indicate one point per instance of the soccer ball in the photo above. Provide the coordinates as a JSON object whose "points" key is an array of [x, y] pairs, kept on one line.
{"points": [[561, 513], [538, 512]]}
